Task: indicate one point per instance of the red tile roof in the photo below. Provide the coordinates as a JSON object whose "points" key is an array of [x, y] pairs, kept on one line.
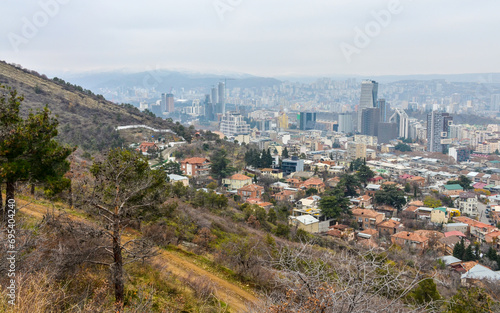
{"points": [[195, 160], [239, 177]]}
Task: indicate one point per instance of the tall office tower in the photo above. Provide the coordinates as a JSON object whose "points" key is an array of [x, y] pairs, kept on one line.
{"points": [[403, 121], [370, 117], [222, 98], [385, 109], [214, 98], [368, 98], [438, 126], [345, 123], [495, 103], [387, 132], [307, 120], [170, 102], [209, 109], [163, 103]]}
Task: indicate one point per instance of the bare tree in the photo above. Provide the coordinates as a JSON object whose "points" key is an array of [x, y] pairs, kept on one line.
{"points": [[121, 190], [318, 280]]}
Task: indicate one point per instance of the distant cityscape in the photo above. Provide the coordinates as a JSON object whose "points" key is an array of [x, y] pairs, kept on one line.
{"points": [[336, 112]]}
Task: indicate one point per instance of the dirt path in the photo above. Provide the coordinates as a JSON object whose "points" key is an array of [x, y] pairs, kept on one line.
{"points": [[237, 298]]}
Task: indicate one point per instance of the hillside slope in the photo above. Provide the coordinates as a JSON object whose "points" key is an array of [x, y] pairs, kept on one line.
{"points": [[85, 120], [237, 298]]}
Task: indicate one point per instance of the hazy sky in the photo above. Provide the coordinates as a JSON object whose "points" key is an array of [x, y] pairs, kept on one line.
{"points": [[269, 38]]}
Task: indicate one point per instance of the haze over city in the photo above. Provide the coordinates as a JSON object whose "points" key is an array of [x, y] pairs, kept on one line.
{"points": [[276, 39]]}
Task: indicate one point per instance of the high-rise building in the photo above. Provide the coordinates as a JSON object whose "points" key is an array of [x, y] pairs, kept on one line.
{"points": [[233, 124], [209, 109], [367, 99], [169, 102], [307, 120], [163, 103], [438, 131], [214, 99], [495, 103], [370, 117], [345, 123], [402, 120], [385, 109], [387, 132], [221, 104]]}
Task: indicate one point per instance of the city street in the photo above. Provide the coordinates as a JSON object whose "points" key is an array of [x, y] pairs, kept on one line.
{"points": [[481, 208]]}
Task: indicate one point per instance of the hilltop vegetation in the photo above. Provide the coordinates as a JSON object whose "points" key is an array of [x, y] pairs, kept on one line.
{"points": [[85, 119]]}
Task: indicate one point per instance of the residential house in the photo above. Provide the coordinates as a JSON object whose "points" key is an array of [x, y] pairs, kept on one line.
{"points": [[450, 242], [480, 230], [236, 181], [333, 182], [279, 186], [178, 178], [452, 190], [286, 195], [195, 167], [305, 222], [308, 206], [251, 191], [371, 189], [294, 182], [416, 180], [439, 216], [461, 227], [367, 219], [467, 203], [259, 202], [410, 239], [148, 148], [275, 173], [493, 238], [315, 183], [388, 227], [364, 201], [479, 273], [340, 231], [388, 210], [424, 213]]}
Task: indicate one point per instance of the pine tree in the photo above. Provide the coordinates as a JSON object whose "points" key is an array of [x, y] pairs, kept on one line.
{"points": [[468, 254], [285, 154], [459, 249]]}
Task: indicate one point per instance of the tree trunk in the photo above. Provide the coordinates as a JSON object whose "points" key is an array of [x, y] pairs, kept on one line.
{"points": [[32, 191], [1, 198], [70, 192], [1, 201], [118, 265]]}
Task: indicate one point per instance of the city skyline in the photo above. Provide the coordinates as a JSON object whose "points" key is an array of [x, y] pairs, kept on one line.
{"points": [[259, 38]]}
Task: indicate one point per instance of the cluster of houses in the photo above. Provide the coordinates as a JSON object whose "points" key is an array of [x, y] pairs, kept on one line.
{"points": [[371, 224]]}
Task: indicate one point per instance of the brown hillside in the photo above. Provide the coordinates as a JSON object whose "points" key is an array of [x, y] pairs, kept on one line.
{"points": [[85, 120]]}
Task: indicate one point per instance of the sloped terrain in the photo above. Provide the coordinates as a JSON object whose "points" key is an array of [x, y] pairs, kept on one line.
{"points": [[86, 120]]}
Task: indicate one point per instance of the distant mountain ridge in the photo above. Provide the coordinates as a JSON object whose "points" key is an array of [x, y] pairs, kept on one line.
{"points": [[166, 79], [86, 120]]}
